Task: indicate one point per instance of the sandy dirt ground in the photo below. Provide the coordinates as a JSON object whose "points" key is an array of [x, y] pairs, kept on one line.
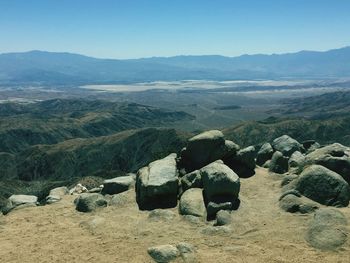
{"points": [[260, 232]]}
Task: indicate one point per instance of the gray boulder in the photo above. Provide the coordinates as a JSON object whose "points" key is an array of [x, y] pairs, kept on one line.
{"points": [[205, 148], [213, 208], [264, 154], [223, 217], [192, 203], [310, 145], [191, 180], [17, 200], [163, 253], [88, 202], [118, 185], [335, 157], [287, 145], [296, 162], [323, 186], [243, 163], [295, 204], [219, 181], [278, 163], [157, 184], [327, 230], [56, 194]]}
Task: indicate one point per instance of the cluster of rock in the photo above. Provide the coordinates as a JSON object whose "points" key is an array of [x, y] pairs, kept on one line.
{"points": [[167, 253], [204, 178], [313, 176], [321, 174]]}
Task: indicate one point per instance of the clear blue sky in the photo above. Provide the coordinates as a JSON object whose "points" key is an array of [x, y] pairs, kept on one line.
{"points": [[144, 28]]}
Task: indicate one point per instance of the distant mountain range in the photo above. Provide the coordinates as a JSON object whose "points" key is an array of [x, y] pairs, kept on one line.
{"points": [[48, 68]]}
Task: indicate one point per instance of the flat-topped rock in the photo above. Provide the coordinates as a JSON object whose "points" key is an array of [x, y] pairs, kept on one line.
{"points": [[118, 185], [157, 184]]}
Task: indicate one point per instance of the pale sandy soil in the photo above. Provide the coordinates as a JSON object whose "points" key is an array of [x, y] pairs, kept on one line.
{"points": [[261, 232]]}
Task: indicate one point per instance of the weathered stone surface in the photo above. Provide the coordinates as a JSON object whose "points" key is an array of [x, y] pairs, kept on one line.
{"points": [[327, 230], [163, 253], [23, 199], [296, 162], [324, 186], [293, 204], [223, 217], [122, 199], [191, 180], [287, 145], [88, 202], [56, 194], [279, 163], [218, 181], [192, 203], [243, 163], [187, 252], [335, 157], [118, 185], [310, 145], [205, 148], [157, 184], [213, 208], [264, 154]]}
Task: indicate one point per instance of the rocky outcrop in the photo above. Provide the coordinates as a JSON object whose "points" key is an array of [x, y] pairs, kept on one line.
{"points": [[264, 154], [335, 157], [278, 163], [323, 186], [203, 149], [287, 145], [296, 162], [243, 163], [157, 184], [118, 185]]}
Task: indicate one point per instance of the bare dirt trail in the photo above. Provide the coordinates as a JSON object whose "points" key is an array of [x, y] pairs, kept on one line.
{"points": [[260, 232]]}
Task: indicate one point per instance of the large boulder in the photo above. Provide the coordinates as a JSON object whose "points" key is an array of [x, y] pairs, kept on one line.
{"points": [[296, 162], [19, 201], [192, 203], [89, 202], [278, 163], [118, 185], [205, 148], [157, 184], [264, 154], [323, 186], [219, 181], [243, 163], [335, 157], [287, 145], [327, 230], [297, 204]]}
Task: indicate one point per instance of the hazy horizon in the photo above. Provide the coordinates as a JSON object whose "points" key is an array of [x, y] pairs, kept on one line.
{"points": [[141, 29]]}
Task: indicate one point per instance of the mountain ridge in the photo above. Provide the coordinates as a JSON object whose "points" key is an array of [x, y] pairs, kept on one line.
{"points": [[42, 67]]}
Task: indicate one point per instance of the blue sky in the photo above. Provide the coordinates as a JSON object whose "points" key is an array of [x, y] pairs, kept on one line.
{"points": [[145, 28]]}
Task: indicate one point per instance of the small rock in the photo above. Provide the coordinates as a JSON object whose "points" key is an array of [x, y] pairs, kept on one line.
{"points": [[213, 208], [163, 253], [264, 154], [87, 202], [223, 217]]}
